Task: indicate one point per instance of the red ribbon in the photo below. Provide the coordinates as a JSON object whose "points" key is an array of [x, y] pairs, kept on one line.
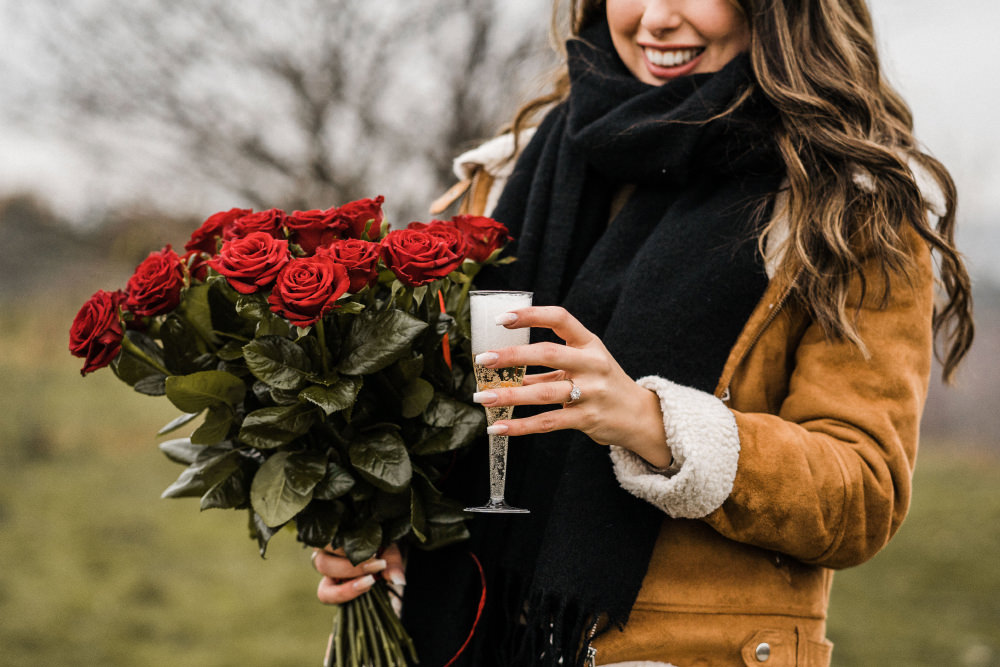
{"points": [[479, 611], [445, 347]]}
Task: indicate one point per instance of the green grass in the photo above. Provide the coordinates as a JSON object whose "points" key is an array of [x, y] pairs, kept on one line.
{"points": [[98, 570]]}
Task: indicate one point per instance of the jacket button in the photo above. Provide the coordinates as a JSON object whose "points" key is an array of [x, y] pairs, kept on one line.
{"points": [[762, 652]]}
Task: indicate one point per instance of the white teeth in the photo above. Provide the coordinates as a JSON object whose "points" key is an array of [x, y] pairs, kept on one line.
{"points": [[671, 58]]}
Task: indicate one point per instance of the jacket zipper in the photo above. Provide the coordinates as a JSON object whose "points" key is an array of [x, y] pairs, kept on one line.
{"points": [[591, 660]]}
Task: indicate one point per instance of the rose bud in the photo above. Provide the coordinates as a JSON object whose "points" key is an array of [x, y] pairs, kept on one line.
{"points": [[206, 238], [307, 288], [482, 235], [418, 257], [251, 263], [155, 287], [360, 258], [97, 331], [269, 222], [197, 263], [315, 229], [356, 215]]}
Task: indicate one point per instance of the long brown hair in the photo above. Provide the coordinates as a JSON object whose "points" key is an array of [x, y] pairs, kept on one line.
{"points": [[846, 138]]}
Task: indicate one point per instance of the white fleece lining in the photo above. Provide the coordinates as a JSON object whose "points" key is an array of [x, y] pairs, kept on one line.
{"points": [[703, 438]]}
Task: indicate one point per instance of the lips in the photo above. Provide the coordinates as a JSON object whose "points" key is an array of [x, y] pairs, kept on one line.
{"points": [[669, 63], [672, 57]]}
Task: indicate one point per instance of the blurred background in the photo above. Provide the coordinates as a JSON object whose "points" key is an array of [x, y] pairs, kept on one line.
{"points": [[124, 123]]}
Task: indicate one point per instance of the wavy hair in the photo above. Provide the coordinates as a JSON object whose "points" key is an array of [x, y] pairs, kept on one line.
{"points": [[846, 138]]}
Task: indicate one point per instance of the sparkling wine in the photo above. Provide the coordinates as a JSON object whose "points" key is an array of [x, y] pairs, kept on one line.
{"points": [[487, 335], [494, 378]]}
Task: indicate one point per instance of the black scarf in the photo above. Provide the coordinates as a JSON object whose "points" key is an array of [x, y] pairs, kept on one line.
{"points": [[668, 285]]}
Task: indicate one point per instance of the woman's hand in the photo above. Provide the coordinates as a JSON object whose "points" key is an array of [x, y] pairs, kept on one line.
{"points": [[611, 408], [343, 582]]}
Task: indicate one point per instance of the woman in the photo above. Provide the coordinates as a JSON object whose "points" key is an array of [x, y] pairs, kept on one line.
{"points": [[727, 224]]}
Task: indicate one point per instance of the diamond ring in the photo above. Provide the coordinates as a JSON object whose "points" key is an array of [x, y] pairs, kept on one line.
{"points": [[574, 393]]}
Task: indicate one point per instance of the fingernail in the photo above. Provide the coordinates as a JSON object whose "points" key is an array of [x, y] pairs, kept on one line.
{"points": [[373, 566], [486, 358], [364, 583], [506, 318], [497, 429], [484, 397], [397, 578]]}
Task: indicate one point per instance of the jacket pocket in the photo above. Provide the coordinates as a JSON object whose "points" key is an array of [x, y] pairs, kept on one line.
{"points": [[770, 648], [785, 648]]}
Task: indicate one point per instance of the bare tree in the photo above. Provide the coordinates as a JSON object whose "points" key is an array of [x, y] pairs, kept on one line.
{"points": [[300, 104]]}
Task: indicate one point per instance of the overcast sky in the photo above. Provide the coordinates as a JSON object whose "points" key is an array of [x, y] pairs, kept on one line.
{"points": [[941, 57]]}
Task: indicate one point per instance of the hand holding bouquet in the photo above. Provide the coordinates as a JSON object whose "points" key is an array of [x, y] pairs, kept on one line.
{"points": [[328, 361]]}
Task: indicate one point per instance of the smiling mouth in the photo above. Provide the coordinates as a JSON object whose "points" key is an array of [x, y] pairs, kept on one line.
{"points": [[672, 57]]}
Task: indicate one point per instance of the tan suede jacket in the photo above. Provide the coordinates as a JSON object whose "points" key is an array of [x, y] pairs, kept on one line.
{"points": [[799, 464]]}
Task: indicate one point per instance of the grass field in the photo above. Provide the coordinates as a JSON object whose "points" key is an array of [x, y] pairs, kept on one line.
{"points": [[98, 570]]}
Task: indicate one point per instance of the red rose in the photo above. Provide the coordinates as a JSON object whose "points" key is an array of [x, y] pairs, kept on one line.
{"points": [[97, 331], [155, 287], [448, 231], [206, 237], [251, 263], [307, 288], [356, 214], [268, 221], [360, 258], [482, 235], [315, 229], [418, 256]]}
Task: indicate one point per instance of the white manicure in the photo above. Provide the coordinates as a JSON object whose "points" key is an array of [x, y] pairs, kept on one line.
{"points": [[486, 358], [497, 429], [506, 318], [484, 397], [364, 582]]}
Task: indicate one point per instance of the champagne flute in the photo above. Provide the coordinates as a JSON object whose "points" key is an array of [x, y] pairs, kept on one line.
{"points": [[487, 335]]}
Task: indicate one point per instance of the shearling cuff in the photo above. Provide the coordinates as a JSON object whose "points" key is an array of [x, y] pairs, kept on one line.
{"points": [[704, 441]]}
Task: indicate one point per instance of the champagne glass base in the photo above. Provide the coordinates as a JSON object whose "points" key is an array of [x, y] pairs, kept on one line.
{"points": [[498, 507]]}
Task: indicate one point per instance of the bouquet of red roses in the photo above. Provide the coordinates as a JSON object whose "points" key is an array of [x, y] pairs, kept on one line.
{"points": [[328, 359]]}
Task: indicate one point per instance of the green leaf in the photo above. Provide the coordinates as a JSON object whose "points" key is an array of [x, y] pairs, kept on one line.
{"points": [[459, 422], [417, 396], [363, 542], [284, 485], [272, 427], [216, 426], [181, 450], [277, 361], [222, 309], [132, 369], [318, 523], [261, 532], [441, 535], [378, 339], [337, 481], [197, 391], [178, 422], [230, 493], [252, 307], [212, 465], [411, 368], [418, 519], [196, 311], [350, 308], [339, 396], [272, 326], [231, 351], [381, 458], [181, 345]]}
